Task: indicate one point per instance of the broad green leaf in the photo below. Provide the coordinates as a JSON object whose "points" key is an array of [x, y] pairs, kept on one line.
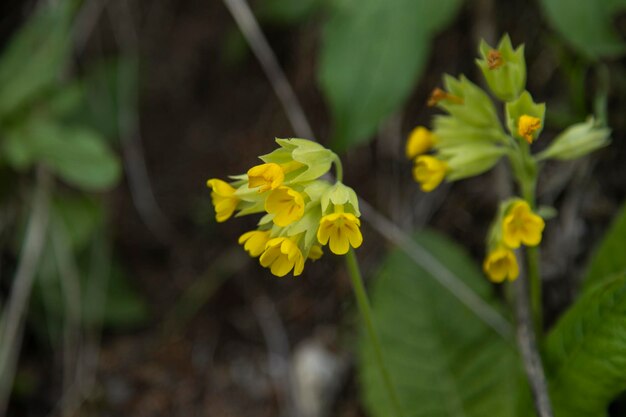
{"points": [[372, 54], [78, 155], [35, 55], [608, 259], [587, 25], [585, 353], [443, 360]]}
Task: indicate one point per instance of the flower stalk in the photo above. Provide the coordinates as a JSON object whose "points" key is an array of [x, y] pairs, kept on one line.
{"points": [[366, 313]]}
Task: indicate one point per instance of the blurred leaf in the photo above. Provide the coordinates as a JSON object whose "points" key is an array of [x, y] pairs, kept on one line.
{"points": [[35, 55], [608, 259], [372, 54], [585, 353], [81, 215], [587, 25], [76, 154], [444, 360], [105, 94]]}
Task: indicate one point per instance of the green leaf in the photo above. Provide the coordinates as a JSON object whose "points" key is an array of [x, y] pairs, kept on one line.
{"points": [[608, 259], [35, 55], [443, 360], [585, 353], [587, 25], [76, 154], [372, 54]]}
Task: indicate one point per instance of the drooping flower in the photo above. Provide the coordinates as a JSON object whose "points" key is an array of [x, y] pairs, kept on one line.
{"points": [[501, 264], [521, 225], [420, 141], [266, 177], [429, 172], [286, 204], [527, 126], [340, 230], [254, 241], [223, 198], [281, 255]]}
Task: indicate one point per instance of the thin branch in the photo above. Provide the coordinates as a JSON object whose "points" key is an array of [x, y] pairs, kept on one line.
{"points": [[390, 231], [11, 328], [252, 32], [141, 191], [527, 343]]}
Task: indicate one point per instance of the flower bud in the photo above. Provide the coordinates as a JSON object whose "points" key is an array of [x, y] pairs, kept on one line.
{"points": [[504, 68], [313, 160], [576, 141], [470, 104]]}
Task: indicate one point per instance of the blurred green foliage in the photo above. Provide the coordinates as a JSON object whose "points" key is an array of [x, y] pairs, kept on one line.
{"points": [[608, 258], [587, 25], [373, 52], [585, 354], [443, 359], [50, 118]]}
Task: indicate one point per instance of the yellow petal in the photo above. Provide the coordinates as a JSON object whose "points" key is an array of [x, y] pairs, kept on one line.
{"points": [[419, 142], [339, 243]]}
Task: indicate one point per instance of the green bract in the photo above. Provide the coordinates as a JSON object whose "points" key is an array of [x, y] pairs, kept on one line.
{"points": [[506, 78]]}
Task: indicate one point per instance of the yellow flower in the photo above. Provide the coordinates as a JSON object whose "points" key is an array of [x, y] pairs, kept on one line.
{"points": [[342, 230], [500, 265], [429, 172], [223, 197], [286, 205], [420, 141], [316, 252], [265, 176], [282, 255], [521, 225], [527, 126], [254, 241]]}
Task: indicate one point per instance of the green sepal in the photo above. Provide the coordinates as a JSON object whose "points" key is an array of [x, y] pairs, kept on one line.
{"points": [[476, 108], [450, 131], [316, 189], [249, 207], [470, 159], [508, 80], [576, 141], [308, 224], [340, 195], [524, 105], [317, 159]]}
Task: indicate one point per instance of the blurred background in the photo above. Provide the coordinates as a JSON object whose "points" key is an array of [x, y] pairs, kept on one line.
{"points": [[121, 295]]}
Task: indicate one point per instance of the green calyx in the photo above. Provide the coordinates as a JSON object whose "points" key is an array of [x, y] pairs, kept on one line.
{"points": [[504, 68]]}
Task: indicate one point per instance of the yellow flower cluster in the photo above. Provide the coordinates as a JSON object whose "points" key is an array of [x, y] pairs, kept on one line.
{"points": [[516, 225], [302, 212]]}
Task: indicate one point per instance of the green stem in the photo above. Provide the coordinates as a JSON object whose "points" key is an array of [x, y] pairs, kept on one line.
{"points": [[601, 99], [532, 261], [338, 168], [366, 312]]}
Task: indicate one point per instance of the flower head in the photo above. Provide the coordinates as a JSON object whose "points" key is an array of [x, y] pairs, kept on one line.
{"points": [[501, 264], [265, 176], [527, 126], [420, 141], [340, 230], [286, 204], [254, 241], [281, 255], [429, 172], [223, 198], [521, 225]]}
